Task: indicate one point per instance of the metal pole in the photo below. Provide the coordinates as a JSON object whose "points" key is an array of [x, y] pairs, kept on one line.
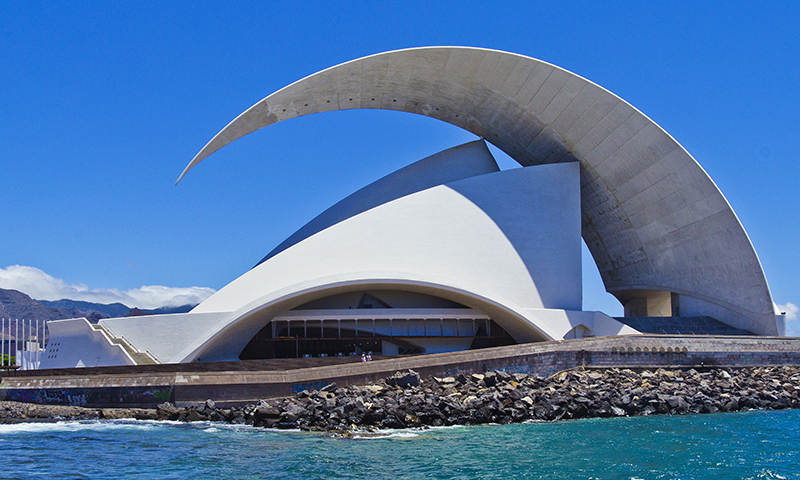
{"points": [[3, 345], [16, 339], [38, 346], [26, 342], [23, 345]]}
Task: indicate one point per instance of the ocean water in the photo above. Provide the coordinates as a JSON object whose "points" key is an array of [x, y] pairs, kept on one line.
{"points": [[747, 445]]}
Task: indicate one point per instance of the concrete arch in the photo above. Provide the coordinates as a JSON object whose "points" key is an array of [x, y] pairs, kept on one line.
{"points": [[651, 216], [226, 340]]}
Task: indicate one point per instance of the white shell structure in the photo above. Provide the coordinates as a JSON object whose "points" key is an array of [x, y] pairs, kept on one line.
{"points": [[449, 245], [652, 218]]}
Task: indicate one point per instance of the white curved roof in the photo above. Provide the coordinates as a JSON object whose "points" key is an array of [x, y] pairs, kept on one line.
{"points": [[457, 163], [455, 241], [651, 216]]}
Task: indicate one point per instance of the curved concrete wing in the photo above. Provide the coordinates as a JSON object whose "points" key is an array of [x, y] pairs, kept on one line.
{"points": [[463, 161], [651, 217]]}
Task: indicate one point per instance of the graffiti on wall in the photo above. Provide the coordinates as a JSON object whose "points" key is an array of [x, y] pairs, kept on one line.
{"points": [[81, 397], [299, 387]]}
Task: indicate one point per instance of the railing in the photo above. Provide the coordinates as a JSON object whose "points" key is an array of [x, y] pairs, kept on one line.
{"points": [[138, 355], [22, 343]]}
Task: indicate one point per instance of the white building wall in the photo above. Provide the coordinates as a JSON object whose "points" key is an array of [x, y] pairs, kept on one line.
{"points": [[162, 336], [74, 343]]}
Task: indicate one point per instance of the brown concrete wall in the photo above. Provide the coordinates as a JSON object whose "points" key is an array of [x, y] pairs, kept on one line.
{"points": [[197, 383]]}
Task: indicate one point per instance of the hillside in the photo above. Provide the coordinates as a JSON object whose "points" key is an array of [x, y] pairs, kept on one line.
{"points": [[14, 304], [17, 305], [111, 310]]}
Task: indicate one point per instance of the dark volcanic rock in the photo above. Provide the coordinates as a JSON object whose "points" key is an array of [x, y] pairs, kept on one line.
{"points": [[16, 412], [404, 400], [168, 411], [407, 379]]}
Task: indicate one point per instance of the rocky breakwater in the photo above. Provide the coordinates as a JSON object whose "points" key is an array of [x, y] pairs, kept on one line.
{"points": [[18, 412], [404, 400]]}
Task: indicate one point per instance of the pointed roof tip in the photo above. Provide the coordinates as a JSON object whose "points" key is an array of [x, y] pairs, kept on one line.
{"points": [[179, 178], [197, 158], [185, 171]]}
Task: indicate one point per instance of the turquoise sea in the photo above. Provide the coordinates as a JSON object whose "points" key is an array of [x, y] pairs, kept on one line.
{"points": [[720, 446]]}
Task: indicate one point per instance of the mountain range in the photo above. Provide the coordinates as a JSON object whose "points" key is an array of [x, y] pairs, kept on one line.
{"points": [[17, 305]]}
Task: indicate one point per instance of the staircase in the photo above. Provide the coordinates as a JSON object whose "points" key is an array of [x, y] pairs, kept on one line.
{"points": [[141, 358]]}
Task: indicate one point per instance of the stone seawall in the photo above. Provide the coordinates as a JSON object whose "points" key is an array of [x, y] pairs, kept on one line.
{"points": [[237, 387]]}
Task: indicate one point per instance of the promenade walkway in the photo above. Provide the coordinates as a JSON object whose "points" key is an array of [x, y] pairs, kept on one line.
{"points": [[241, 382]]}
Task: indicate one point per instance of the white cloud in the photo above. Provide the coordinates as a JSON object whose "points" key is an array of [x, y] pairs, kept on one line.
{"points": [[792, 325], [41, 286]]}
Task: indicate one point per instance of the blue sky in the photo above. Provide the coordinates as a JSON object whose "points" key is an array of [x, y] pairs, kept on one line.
{"points": [[104, 103]]}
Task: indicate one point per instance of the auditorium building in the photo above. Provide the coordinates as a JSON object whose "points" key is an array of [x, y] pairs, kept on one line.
{"points": [[450, 253]]}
